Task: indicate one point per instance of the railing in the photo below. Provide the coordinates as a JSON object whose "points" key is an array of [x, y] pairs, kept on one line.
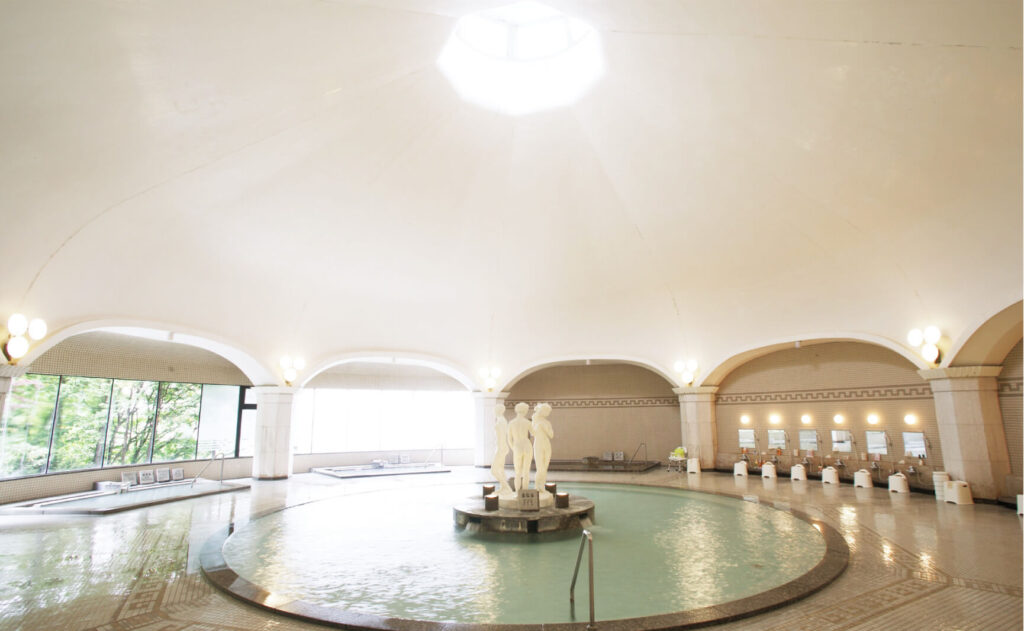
{"points": [[208, 463], [587, 538], [644, 445]]}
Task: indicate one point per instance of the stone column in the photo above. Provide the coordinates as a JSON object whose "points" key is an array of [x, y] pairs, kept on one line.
{"points": [[483, 451], [7, 375], [699, 423], [272, 451], [971, 426]]}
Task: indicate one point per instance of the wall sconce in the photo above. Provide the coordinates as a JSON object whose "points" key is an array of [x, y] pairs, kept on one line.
{"points": [[687, 371], [872, 419], [745, 419], [774, 419], [16, 346], [838, 418], [927, 341], [490, 376], [290, 368], [806, 419], [910, 419]]}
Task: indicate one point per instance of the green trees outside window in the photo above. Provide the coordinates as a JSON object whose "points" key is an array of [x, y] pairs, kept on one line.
{"points": [[52, 423], [177, 425], [26, 425], [81, 423]]}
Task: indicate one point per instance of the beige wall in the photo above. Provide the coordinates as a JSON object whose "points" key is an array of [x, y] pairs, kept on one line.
{"points": [[1010, 403], [114, 356], [604, 407], [848, 378]]}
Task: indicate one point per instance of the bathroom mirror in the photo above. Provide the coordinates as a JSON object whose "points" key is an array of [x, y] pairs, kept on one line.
{"points": [[913, 444], [842, 440], [747, 439], [876, 442], [776, 439], [808, 440]]}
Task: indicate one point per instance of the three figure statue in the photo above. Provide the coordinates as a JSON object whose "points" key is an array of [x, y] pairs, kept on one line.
{"points": [[515, 435]]}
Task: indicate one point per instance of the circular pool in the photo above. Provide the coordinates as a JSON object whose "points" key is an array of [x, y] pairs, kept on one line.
{"points": [[662, 557]]}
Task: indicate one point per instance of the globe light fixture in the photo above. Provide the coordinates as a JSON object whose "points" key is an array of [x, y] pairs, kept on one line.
{"points": [[915, 337], [745, 419], [774, 419], [17, 324], [806, 419], [873, 419], [17, 344], [930, 352], [927, 340], [910, 419], [16, 347], [37, 329], [838, 418], [290, 367]]}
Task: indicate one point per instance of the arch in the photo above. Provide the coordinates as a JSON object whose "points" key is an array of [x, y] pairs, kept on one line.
{"points": [[413, 359], [990, 341], [256, 372], [576, 359], [722, 368]]}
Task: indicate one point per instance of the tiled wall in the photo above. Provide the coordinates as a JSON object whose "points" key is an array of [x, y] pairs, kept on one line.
{"points": [[1010, 403], [602, 408], [851, 379], [114, 356]]}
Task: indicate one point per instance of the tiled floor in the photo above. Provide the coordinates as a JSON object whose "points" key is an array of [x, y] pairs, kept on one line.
{"points": [[915, 563]]}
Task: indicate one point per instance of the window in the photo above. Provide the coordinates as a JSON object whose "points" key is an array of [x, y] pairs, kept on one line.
{"points": [[808, 440], [81, 423], [747, 440], [337, 420], [218, 421], [877, 442], [27, 421], [177, 424], [842, 440], [914, 444]]}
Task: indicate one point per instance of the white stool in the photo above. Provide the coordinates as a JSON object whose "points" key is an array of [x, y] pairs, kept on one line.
{"points": [[740, 468], [1020, 504], [693, 465], [797, 472], [898, 483], [939, 479], [768, 470], [829, 475], [862, 478], [957, 492], [676, 463]]}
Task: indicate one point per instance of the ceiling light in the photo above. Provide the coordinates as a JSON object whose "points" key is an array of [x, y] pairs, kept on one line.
{"points": [[17, 346], [691, 365], [286, 362], [17, 324], [932, 335], [930, 352], [37, 329], [915, 337]]}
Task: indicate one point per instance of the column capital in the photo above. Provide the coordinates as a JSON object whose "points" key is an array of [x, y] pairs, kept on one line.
{"points": [[696, 393], [272, 390], [497, 396], [9, 371], [960, 372]]}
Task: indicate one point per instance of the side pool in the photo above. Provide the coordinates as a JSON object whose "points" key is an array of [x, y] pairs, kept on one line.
{"points": [[662, 557]]}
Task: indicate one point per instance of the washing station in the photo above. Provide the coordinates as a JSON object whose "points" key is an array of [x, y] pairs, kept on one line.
{"points": [[511, 506]]}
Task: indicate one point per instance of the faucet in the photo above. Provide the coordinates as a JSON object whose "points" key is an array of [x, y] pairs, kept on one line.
{"points": [[839, 463], [874, 466], [745, 458], [775, 460], [911, 470]]}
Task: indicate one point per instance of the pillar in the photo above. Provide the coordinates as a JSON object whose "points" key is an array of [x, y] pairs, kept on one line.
{"points": [[483, 450], [699, 423], [971, 426], [7, 375], [272, 451]]}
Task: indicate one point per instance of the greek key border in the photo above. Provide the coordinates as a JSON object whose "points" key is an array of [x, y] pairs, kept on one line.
{"points": [[1010, 388], [887, 393], [632, 402]]}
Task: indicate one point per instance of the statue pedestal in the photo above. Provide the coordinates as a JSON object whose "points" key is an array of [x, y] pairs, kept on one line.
{"points": [[472, 515]]}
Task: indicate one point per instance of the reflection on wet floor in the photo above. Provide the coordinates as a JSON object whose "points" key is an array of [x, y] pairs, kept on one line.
{"points": [[915, 563]]}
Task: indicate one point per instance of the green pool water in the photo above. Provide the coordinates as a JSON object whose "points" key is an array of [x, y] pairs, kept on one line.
{"points": [[397, 554]]}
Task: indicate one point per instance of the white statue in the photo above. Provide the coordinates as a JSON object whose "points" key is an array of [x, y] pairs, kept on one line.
{"points": [[500, 451], [542, 435], [522, 451]]}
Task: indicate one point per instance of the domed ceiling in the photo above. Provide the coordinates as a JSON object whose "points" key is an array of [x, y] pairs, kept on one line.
{"points": [[308, 178]]}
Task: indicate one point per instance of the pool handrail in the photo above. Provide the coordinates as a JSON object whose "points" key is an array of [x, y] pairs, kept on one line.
{"points": [[213, 457], [587, 537], [642, 444]]}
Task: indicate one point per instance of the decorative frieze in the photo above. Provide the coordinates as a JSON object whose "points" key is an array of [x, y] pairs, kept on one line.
{"points": [[883, 393], [631, 402], [1010, 387]]}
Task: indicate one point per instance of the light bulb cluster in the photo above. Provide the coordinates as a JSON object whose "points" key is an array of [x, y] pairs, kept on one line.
{"points": [[19, 331], [687, 370], [838, 419], [290, 367], [927, 340], [490, 375]]}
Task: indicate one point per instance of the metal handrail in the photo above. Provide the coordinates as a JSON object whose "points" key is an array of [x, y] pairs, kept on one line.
{"points": [[587, 537], [642, 444], [223, 454]]}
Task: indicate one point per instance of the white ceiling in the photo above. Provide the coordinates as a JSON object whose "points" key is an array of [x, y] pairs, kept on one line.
{"points": [[299, 177]]}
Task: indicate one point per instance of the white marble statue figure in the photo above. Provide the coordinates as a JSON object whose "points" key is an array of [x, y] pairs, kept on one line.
{"points": [[542, 435], [522, 450], [500, 451]]}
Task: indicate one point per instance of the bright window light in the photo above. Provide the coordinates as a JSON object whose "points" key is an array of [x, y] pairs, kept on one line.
{"points": [[521, 58]]}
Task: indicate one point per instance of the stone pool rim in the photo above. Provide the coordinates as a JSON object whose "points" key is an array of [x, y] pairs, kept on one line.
{"points": [[832, 564]]}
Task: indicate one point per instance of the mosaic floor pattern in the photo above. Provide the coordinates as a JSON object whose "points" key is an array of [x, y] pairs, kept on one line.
{"points": [[915, 563]]}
